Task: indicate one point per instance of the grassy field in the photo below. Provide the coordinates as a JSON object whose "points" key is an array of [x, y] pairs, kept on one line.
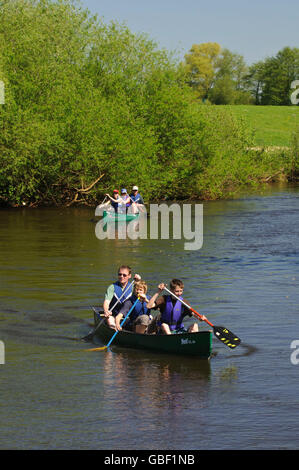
{"points": [[272, 125]]}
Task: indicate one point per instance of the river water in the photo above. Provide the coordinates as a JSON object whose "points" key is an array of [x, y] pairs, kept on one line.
{"points": [[57, 395]]}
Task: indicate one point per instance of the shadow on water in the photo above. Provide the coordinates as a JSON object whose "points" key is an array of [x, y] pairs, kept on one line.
{"points": [[33, 337], [56, 318], [37, 328], [248, 350]]}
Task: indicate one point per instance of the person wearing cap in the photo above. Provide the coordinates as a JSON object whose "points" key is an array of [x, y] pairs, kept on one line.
{"points": [[137, 204], [135, 196], [116, 200]]}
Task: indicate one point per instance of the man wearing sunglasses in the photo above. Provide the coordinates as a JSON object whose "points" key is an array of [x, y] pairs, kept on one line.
{"points": [[117, 293]]}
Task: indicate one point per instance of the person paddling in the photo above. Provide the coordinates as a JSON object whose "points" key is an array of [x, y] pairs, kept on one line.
{"points": [[137, 204], [140, 317], [172, 310], [117, 293], [116, 200], [135, 196]]}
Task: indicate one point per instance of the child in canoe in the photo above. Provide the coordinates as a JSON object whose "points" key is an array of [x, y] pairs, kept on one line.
{"points": [[172, 310], [139, 318]]}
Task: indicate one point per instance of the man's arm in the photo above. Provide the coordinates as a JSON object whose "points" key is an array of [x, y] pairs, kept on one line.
{"points": [[108, 297]]}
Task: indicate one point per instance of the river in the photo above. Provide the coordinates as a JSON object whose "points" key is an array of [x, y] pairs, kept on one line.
{"points": [[57, 395]]}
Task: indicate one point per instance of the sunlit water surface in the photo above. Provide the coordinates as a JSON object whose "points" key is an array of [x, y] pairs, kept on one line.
{"points": [[56, 395]]}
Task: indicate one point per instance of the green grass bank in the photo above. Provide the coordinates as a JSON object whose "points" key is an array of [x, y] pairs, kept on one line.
{"points": [[273, 126]]}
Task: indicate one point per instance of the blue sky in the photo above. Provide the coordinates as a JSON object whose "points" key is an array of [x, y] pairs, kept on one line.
{"points": [[252, 28]]}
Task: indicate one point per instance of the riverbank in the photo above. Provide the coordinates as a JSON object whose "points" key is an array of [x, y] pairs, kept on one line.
{"points": [[264, 186], [214, 163]]}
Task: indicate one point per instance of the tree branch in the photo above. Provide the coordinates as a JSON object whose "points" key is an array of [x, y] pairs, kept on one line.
{"points": [[85, 190]]}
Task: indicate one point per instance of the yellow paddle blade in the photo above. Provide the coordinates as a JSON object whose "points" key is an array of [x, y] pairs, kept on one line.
{"points": [[97, 349], [227, 337]]}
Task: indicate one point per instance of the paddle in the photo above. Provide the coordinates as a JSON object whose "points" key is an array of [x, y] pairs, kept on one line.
{"points": [[112, 338], [223, 334], [92, 333]]}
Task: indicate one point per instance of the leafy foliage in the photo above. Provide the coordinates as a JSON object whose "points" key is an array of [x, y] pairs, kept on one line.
{"points": [[217, 74], [271, 80]]}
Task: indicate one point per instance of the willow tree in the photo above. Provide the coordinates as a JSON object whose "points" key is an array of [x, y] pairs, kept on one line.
{"points": [[200, 66], [230, 81], [48, 106]]}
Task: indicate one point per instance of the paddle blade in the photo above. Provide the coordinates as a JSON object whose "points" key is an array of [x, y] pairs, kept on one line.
{"points": [[227, 337], [97, 349]]}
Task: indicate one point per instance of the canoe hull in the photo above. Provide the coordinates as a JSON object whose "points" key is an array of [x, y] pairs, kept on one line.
{"points": [[111, 216], [188, 344]]}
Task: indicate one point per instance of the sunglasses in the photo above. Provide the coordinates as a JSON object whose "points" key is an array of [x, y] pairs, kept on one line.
{"points": [[123, 275]]}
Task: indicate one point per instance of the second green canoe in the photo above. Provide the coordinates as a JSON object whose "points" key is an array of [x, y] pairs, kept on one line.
{"points": [[114, 216]]}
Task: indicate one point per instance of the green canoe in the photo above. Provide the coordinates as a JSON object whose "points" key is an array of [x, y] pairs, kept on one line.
{"points": [[114, 216], [188, 344]]}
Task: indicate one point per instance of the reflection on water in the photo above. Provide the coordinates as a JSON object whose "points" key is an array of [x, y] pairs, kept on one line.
{"points": [[158, 369], [160, 389], [229, 374]]}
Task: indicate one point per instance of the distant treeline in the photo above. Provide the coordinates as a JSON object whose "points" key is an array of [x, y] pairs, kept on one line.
{"points": [[91, 106], [222, 77]]}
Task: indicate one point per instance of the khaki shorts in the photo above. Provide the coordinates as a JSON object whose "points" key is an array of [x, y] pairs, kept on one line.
{"points": [[142, 320]]}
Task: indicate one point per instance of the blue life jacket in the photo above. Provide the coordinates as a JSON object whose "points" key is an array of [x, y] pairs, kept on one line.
{"points": [[135, 197], [173, 314], [114, 205], [139, 309], [119, 292]]}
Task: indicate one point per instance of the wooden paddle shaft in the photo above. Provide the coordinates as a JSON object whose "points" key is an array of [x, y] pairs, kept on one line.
{"points": [[200, 316], [190, 308]]}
